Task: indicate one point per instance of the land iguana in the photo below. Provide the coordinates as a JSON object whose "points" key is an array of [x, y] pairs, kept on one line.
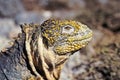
{"points": [[40, 51]]}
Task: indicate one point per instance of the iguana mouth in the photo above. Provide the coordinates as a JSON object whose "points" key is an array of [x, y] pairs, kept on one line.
{"points": [[87, 37]]}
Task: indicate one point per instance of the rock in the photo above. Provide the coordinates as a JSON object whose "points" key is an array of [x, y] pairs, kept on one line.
{"points": [[75, 59], [103, 1], [31, 4], [3, 42], [10, 8], [65, 14], [14, 32], [104, 65], [76, 4], [6, 26], [57, 5], [47, 14], [31, 17], [43, 3], [61, 4], [113, 23]]}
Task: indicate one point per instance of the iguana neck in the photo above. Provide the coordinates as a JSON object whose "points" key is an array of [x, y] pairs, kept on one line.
{"points": [[49, 64], [44, 62]]}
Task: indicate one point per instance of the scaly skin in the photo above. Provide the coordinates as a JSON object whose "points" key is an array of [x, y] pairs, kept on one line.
{"points": [[50, 44], [66, 36]]}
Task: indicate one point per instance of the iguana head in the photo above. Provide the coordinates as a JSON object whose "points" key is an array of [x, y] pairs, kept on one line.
{"points": [[65, 36]]}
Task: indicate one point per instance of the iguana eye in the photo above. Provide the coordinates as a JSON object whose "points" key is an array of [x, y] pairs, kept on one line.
{"points": [[67, 29]]}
